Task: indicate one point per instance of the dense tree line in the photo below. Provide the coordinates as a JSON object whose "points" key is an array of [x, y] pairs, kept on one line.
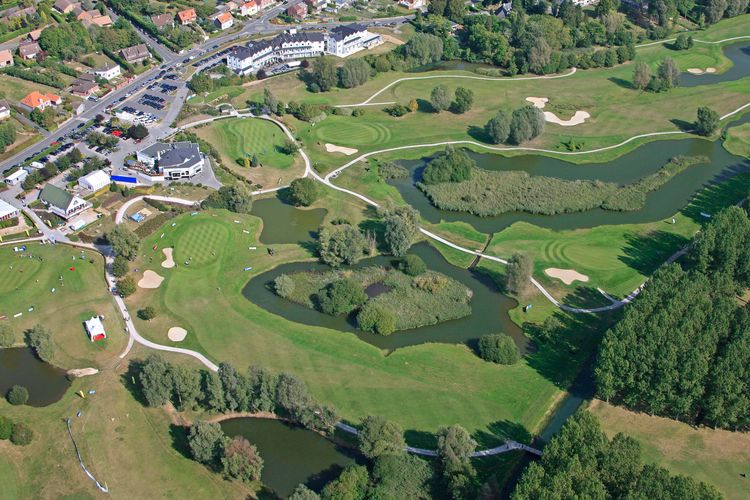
{"points": [[524, 124], [682, 349], [237, 458], [581, 462], [236, 198]]}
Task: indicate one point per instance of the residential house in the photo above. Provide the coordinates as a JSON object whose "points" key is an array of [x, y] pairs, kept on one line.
{"points": [[29, 50], [16, 12], [298, 11], [34, 35], [38, 100], [135, 54], [230, 6], [413, 4], [16, 177], [177, 160], [61, 202], [224, 21], [8, 211], [315, 5], [94, 181], [249, 8], [6, 58], [336, 5], [264, 4], [345, 40], [504, 10], [66, 6], [163, 21], [85, 85], [101, 21], [187, 16], [108, 72]]}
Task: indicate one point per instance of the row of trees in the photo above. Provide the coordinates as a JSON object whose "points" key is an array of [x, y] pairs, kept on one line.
{"points": [[682, 349], [442, 100], [522, 125]]}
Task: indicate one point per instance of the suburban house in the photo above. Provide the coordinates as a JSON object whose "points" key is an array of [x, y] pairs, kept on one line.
{"points": [[8, 211], [16, 12], [187, 16], [6, 58], [163, 20], [413, 4], [224, 21], [95, 328], [34, 35], [264, 4], [29, 50], [315, 5], [65, 6], [346, 40], [287, 46], [135, 54], [16, 177], [94, 181], [97, 20], [4, 110], [504, 10], [249, 8], [298, 11], [61, 202], [108, 72], [177, 160], [38, 100], [85, 85]]}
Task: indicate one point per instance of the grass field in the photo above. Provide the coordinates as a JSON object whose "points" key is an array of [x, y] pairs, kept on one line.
{"points": [[738, 140], [715, 456], [244, 137]]}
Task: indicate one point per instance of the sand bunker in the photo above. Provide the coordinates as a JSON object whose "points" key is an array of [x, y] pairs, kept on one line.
{"points": [[177, 334], [567, 276], [698, 71], [578, 118], [82, 372], [331, 148], [150, 280], [168, 261]]}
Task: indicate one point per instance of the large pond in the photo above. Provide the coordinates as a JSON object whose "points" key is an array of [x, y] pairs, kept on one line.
{"points": [[19, 366], [291, 455], [738, 53], [489, 306], [660, 204], [284, 223]]}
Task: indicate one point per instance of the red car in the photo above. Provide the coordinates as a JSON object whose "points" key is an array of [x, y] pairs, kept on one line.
{"points": [[117, 133]]}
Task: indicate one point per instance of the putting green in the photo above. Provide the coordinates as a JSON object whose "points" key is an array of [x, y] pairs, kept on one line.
{"points": [[22, 272], [200, 242], [353, 133]]}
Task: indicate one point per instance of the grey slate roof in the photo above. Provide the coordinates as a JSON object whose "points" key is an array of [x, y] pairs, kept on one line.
{"points": [[252, 48], [340, 32]]}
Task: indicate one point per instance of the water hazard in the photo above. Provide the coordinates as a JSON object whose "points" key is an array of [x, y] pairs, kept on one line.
{"points": [[46, 383]]}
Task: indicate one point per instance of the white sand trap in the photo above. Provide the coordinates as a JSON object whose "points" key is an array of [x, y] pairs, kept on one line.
{"points": [[698, 71], [577, 119], [567, 276], [168, 261], [150, 280], [331, 148], [82, 372], [177, 334]]}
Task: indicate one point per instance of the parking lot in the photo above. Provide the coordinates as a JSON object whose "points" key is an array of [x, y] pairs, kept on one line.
{"points": [[150, 103]]}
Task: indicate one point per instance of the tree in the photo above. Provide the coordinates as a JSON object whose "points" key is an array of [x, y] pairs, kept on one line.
{"points": [[464, 100], [302, 492], [235, 387], [206, 442], [498, 128], [6, 427], [683, 42], [736, 8], [292, 397], [401, 228], [539, 56], [518, 276], [497, 348], [526, 123], [641, 75], [7, 336], [375, 318], [413, 106], [241, 460], [340, 244], [440, 98], [289, 147], [669, 73], [270, 101], [707, 122], [120, 266], [284, 286], [453, 165], [424, 48], [126, 286], [18, 395], [22, 435], [379, 436], [156, 380], [722, 248], [352, 484], [262, 385], [40, 340], [304, 191], [214, 392], [454, 450], [342, 297], [354, 73], [323, 74], [401, 476], [412, 265], [186, 385], [147, 313], [123, 241], [138, 132], [715, 10], [236, 198]]}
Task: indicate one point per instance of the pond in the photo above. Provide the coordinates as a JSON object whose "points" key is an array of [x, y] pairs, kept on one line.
{"points": [[489, 306], [291, 455], [660, 204], [285, 223], [738, 53], [19, 366]]}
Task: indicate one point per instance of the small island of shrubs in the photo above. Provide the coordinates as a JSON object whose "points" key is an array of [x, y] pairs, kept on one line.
{"points": [[452, 181], [408, 296]]}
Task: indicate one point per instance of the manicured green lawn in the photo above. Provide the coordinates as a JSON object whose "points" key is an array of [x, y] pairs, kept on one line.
{"points": [[738, 140]]}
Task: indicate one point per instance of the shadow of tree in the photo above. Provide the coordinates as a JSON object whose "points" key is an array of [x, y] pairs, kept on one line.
{"points": [[585, 297], [646, 252], [723, 190], [420, 439], [179, 435], [425, 106], [683, 125], [499, 432], [129, 379], [621, 82], [478, 134]]}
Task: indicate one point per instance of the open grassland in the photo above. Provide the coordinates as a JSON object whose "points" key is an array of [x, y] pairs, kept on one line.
{"points": [[26, 283], [16, 89], [421, 387], [239, 138], [738, 140], [134, 450], [717, 457]]}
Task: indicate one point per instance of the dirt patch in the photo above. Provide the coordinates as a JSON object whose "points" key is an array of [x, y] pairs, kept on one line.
{"points": [[567, 276], [82, 372], [168, 260], [177, 334], [150, 280], [392, 39], [331, 148]]}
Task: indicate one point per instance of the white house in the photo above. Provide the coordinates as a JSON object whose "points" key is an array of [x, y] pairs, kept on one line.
{"points": [[346, 40], [224, 21], [177, 160], [8, 211], [95, 180], [95, 328], [16, 177], [287, 46], [249, 8], [61, 202], [108, 72]]}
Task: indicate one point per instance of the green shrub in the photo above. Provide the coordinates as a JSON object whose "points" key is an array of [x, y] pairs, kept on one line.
{"points": [[389, 170], [451, 166], [304, 191], [342, 297], [21, 435], [412, 265], [7, 337], [126, 286], [6, 427], [498, 348], [120, 266], [40, 340], [147, 313], [18, 395], [376, 319], [283, 286]]}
